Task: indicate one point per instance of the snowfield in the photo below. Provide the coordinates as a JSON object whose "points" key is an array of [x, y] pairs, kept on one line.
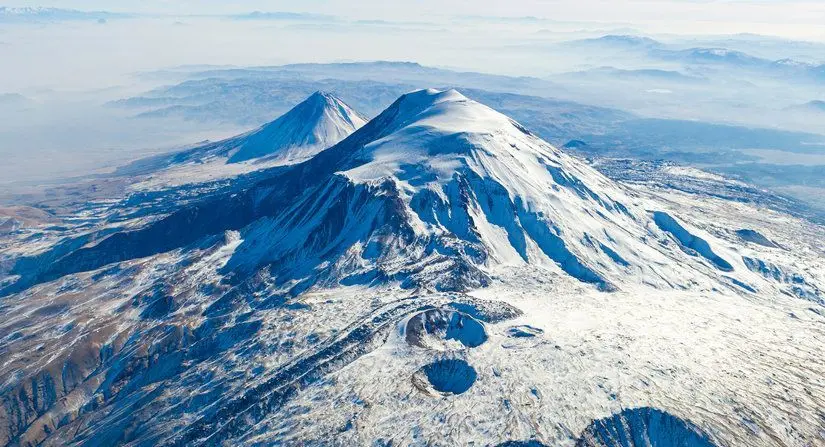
{"points": [[438, 276], [693, 356]]}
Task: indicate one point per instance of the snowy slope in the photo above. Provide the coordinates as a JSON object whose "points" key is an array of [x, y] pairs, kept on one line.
{"points": [[438, 192], [438, 182]]}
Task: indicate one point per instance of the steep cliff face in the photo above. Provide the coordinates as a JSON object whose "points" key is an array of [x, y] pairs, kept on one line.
{"points": [[638, 427]]}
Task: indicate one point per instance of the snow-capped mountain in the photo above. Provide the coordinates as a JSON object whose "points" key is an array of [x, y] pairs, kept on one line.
{"points": [[315, 124], [310, 127], [438, 191], [440, 275]]}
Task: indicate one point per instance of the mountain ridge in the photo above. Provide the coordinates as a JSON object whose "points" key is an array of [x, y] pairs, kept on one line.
{"points": [[437, 183]]}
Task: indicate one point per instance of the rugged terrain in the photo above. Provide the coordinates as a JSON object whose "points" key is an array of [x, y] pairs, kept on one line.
{"points": [[439, 275]]}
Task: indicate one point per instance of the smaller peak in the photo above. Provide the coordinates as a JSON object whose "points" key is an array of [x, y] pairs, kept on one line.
{"points": [[323, 96], [323, 93], [318, 122]]}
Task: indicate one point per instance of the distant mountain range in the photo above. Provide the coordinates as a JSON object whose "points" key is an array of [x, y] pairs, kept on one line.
{"points": [[700, 56], [46, 14], [41, 14], [651, 74], [15, 100], [250, 96], [617, 41], [812, 106]]}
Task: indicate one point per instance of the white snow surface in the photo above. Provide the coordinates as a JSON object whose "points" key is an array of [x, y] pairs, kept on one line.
{"points": [[310, 127], [527, 202]]}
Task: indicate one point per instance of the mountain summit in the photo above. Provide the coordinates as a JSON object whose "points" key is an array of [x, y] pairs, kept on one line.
{"points": [[455, 186], [319, 122]]}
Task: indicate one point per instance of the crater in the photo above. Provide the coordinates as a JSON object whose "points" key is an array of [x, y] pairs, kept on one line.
{"points": [[486, 311], [643, 427], [445, 377], [444, 330]]}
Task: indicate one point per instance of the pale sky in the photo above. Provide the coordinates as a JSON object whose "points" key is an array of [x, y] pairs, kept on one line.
{"points": [[793, 18], [474, 35], [65, 67]]}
